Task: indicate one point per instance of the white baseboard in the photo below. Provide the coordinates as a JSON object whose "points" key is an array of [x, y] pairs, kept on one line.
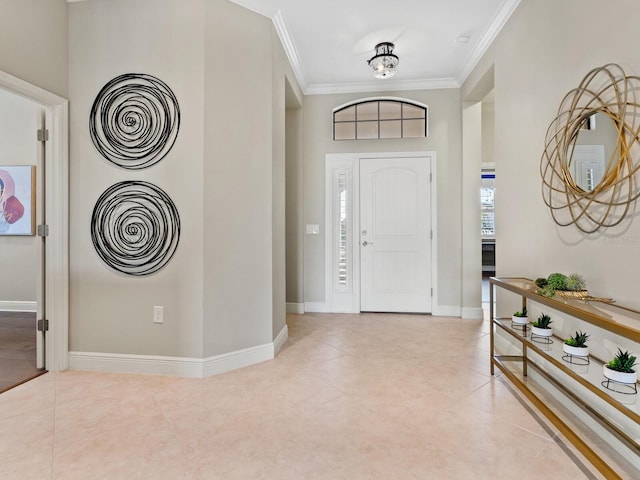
{"points": [[145, 364], [295, 308], [280, 340], [237, 359], [472, 313], [317, 307], [446, 311], [6, 306], [177, 366]]}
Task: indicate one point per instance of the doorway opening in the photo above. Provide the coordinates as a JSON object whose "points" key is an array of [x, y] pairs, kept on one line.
{"points": [[21, 251], [487, 193], [52, 302], [488, 229], [478, 154]]}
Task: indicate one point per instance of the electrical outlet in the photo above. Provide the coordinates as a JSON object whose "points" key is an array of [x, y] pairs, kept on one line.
{"points": [[158, 314]]}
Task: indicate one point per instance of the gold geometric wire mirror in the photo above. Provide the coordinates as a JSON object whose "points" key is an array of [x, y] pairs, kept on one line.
{"points": [[591, 179]]}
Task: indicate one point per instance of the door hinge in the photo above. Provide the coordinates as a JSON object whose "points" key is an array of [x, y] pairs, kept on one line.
{"points": [[43, 135], [430, 177], [43, 325], [431, 234], [43, 230], [432, 291]]}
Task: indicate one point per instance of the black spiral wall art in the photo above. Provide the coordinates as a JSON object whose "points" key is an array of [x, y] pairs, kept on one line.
{"points": [[135, 227], [134, 120]]}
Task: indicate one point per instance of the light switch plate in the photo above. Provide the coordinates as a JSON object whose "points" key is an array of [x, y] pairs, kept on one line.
{"points": [[158, 314]]}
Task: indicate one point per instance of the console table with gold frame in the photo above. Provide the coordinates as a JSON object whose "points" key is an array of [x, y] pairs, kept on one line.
{"points": [[581, 385]]}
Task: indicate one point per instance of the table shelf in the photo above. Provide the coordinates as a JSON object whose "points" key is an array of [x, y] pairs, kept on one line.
{"points": [[579, 384]]}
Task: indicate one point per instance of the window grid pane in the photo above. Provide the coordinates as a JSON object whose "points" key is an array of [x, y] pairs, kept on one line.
{"points": [[391, 129], [413, 128], [367, 111], [411, 111], [372, 119], [344, 131], [390, 111], [367, 130], [345, 115]]}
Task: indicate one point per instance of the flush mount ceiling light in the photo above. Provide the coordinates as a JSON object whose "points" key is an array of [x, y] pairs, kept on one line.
{"points": [[384, 62]]}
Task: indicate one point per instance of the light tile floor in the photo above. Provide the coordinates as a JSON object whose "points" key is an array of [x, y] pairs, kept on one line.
{"points": [[350, 397]]}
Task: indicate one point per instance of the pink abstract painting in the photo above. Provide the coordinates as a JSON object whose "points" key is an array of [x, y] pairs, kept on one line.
{"points": [[17, 200]]}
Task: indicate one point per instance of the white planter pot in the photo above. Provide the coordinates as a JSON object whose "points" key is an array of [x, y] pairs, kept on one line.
{"points": [[541, 332], [620, 377], [520, 320], [575, 351]]}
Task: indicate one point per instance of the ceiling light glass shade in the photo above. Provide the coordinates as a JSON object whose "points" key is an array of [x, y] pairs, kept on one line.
{"points": [[384, 62]]}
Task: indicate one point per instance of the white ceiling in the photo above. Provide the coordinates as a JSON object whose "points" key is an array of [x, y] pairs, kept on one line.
{"points": [[329, 42]]}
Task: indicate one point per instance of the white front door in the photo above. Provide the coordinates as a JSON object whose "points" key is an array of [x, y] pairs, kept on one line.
{"points": [[395, 235], [587, 165]]}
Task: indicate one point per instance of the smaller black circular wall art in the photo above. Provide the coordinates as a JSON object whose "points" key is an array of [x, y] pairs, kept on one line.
{"points": [[134, 120], [135, 227]]}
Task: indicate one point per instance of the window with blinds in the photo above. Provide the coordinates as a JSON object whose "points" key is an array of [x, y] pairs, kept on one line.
{"points": [[487, 205]]}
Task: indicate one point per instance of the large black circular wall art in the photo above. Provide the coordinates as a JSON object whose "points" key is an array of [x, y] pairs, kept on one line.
{"points": [[134, 120], [135, 227]]}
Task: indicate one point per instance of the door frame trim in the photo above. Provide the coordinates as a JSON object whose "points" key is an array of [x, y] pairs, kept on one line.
{"points": [[57, 201], [349, 302]]}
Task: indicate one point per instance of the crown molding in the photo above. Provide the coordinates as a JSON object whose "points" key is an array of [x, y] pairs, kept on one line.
{"points": [[290, 49], [489, 35], [381, 86], [264, 8]]}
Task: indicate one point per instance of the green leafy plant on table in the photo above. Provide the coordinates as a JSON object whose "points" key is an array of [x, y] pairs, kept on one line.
{"points": [[558, 281]]}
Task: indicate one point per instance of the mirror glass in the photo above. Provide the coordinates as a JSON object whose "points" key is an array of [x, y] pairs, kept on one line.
{"points": [[592, 151]]}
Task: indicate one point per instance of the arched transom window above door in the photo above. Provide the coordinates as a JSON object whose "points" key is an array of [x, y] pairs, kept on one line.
{"points": [[383, 117]]}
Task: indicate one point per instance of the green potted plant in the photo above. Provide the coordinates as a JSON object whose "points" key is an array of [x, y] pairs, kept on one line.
{"points": [[577, 345], [520, 317], [572, 286], [542, 326], [620, 368]]}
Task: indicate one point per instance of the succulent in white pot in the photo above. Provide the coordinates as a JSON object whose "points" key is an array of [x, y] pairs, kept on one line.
{"points": [[542, 326], [620, 368], [520, 317], [577, 345]]}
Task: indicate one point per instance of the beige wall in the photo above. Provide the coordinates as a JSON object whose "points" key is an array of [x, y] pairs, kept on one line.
{"points": [[285, 92], [109, 311], [472, 123], [33, 42], [488, 133], [18, 146], [533, 72], [237, 175], [294, 206], [444, 138], [224, 289]]}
